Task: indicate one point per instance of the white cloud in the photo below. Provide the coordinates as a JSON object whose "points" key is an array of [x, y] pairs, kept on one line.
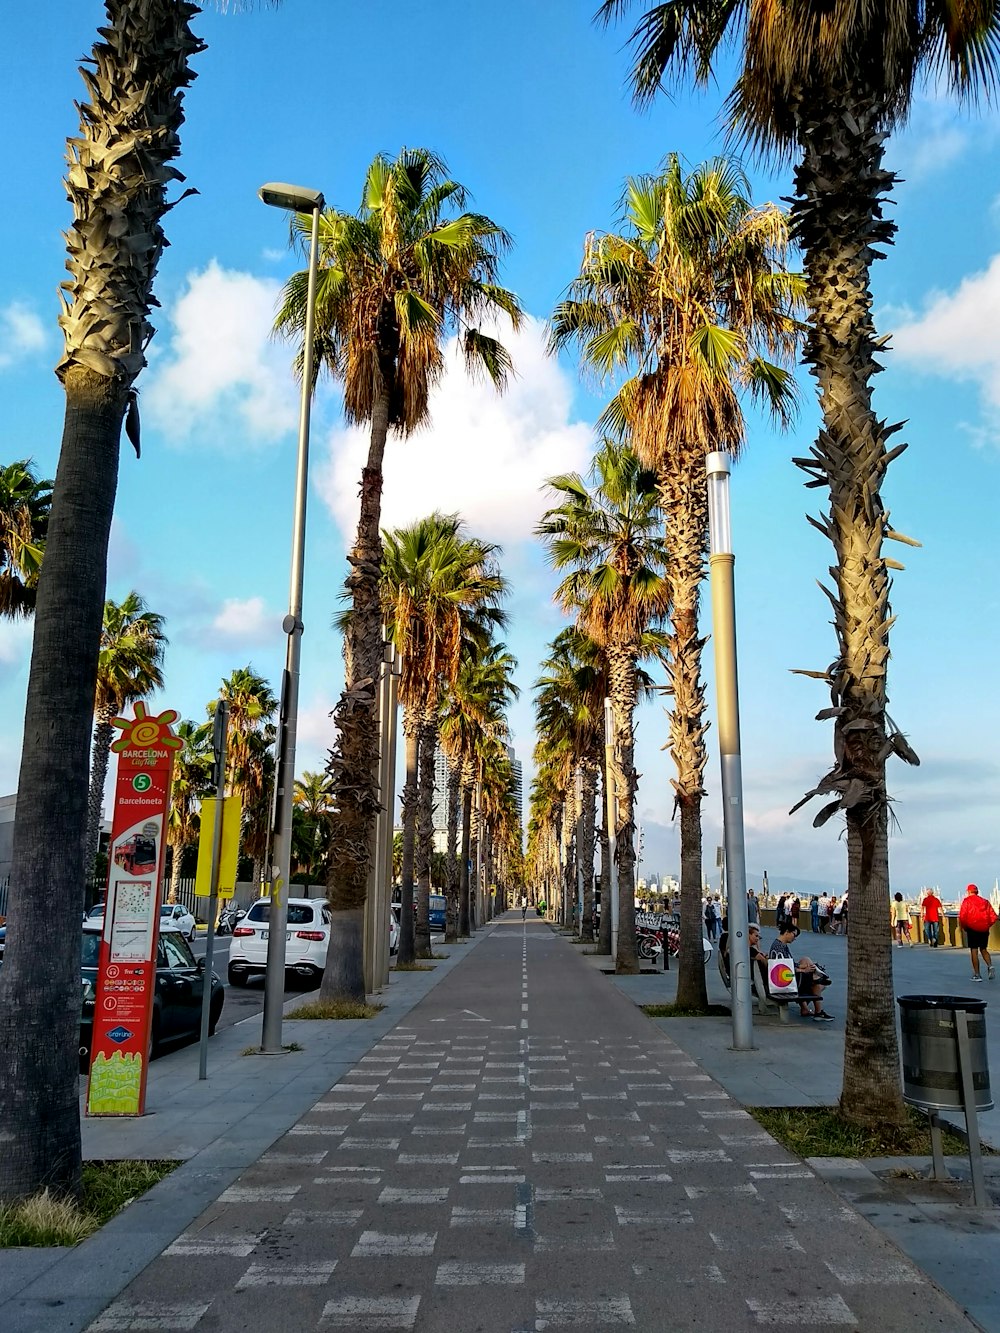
{"points": [[21, 334], [958, 335], [243, 623], [484, 455], [221, 374]]}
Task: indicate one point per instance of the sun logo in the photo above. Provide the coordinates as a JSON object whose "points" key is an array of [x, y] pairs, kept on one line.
{"points": [[782, 975], [142, 732]]}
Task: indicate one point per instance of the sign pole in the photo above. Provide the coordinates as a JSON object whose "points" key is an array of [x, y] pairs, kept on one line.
{"points": [[219, 746]]}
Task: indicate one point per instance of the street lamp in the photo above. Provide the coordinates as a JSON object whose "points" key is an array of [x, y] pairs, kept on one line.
{"points": [[291, 198], [721, 564]]}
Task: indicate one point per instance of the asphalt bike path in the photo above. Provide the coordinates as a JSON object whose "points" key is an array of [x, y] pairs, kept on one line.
{"points": [[525, 1150]]}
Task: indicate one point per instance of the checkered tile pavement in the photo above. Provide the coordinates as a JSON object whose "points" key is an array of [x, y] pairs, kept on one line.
{"points": [[527, 1152]]}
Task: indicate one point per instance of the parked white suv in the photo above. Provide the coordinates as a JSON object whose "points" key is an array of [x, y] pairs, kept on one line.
{"points": [[306, 939]]}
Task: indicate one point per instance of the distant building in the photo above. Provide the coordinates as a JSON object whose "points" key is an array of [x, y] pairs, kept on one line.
{"points": [[517, 784]]}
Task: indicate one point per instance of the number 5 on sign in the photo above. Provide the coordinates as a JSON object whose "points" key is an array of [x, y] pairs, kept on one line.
{"points": [[231, 815]]}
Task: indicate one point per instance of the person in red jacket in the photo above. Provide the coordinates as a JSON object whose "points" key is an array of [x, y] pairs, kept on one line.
{"points": [[976, 916]]}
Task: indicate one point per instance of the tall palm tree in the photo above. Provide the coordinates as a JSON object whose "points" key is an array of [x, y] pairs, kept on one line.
{"points": [[128, 669], [828, 84], [693, 303], [438, 586], [610, 541], [396, 279], [474, 713], [570, 700], [191, 781], [25, 503], [249, 757], [118, 181], [311, 809]]}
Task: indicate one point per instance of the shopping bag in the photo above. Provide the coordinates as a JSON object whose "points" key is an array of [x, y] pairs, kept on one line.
{"points": [[781, 979]]}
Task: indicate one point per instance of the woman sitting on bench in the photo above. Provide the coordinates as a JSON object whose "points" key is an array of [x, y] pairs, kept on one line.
{"points": [[809, 976]]}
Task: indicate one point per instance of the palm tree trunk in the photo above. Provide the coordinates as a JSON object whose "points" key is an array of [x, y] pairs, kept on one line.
{"points": [[685, 504], [587, 848], [40, 979], [837, 216], [465, 914], [175, 871], [101, 750], [622, 692], [409, 812], [353, 761], [453, 913], [425, 834]]}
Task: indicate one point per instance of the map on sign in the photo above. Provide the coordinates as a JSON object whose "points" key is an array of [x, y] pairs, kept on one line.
{"points": [[132, 920]]}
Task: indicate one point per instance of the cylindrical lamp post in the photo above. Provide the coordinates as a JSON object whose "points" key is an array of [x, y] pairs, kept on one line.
{"points": [[294, 199], [721, 565], [611, 806]]}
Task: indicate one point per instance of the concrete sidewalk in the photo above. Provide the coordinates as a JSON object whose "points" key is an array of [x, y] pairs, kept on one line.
{"points": [[800, 1064], [525, 1151], [216, 1128]]}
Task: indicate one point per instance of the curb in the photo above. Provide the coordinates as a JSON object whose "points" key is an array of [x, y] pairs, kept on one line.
{"points": [[63, 1290]]}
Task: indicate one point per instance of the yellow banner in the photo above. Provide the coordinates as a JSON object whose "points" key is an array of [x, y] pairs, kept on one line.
{"points": [[231, 816]]}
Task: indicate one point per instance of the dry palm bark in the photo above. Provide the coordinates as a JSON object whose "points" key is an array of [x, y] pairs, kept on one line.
{"points": [[684, 502], [119, 174], [837, 214]]}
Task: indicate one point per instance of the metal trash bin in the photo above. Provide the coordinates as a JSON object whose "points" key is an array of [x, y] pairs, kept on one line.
{"points": [[932, 1073]]}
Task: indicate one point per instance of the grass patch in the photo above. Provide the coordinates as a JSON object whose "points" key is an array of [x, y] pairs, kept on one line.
{"points": [[682, 1011], [413, 967], [335, 1009], [821, 1131], [107, 1188]]}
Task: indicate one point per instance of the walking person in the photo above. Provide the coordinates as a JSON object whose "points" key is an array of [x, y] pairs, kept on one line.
{"points": [[976, 916], [524, 906], [779, 912], [814, 914], [793, 910], [931, 910], [901, 920], [824, 912], [753, 909]]}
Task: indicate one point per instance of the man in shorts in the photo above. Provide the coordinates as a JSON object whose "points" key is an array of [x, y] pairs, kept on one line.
{"points": [[976, 916]]}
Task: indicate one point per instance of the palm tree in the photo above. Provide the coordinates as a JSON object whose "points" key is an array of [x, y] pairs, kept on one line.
{"points": [[119, 176], [191, 781], [474, 713], [438, 587], [570, 703], [129, 669], [397, 277], [828, 84], [250, 758], [311, 809], [24, 519], [692, 302], [610, 541]]}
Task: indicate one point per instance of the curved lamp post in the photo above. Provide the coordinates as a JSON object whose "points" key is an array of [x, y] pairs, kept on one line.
{"points": [[294, 199]]}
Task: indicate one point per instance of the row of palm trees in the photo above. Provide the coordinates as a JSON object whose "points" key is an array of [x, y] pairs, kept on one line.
{"points": [[823, 83], [688, 308]]}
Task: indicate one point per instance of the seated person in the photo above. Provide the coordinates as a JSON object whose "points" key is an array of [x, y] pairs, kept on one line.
{"points": [[758, 978], [810, 977]]}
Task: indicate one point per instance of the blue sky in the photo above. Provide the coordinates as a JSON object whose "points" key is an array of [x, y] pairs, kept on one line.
{"points": [[527, 103]]}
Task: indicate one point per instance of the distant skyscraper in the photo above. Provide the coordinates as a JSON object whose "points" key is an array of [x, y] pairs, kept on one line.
{"points": [[440, 791], [517, 783]]}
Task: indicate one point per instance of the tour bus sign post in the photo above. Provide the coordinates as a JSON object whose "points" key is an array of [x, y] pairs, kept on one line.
{"points": [[126, 978]]}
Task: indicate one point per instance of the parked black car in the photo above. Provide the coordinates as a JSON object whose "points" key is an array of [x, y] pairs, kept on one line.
{"points": [[180, 984]]}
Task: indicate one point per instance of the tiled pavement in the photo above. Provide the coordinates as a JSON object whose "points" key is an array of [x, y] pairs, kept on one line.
{"points": [[526, 1151]]}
